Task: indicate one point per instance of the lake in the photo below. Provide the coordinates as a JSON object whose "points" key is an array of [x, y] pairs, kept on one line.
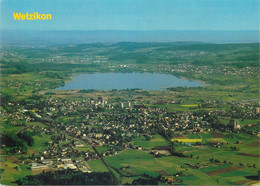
{"points": [[109, 81]]}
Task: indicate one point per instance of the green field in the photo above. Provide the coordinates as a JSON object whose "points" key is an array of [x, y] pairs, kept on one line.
{"points": [[102, 149], [40, 143], [9, 128], [156, 140], [97, 166], [187, 140], [12, 171]]}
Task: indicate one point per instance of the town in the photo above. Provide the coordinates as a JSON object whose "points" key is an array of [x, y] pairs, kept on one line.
{"points": [[177, 135]]}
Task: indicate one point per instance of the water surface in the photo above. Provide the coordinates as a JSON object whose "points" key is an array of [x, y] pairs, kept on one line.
{"points": [[109, 81]]}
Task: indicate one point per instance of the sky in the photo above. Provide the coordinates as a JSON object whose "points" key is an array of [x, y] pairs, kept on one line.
{"points": [[139, 15]]}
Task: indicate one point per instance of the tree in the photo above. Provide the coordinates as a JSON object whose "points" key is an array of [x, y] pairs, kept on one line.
{"points": [[27, 137], [173, 148]]}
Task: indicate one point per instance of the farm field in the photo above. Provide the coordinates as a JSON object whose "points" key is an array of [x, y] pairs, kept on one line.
{"points": [[156, 140], [168, 166]]}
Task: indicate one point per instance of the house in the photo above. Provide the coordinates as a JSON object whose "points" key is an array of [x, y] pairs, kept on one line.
{"points": [[84, 170], [47, 162], [60, 166], [39, 166], [170, 179], [98, 135], [78, 144], [66, 160], [70, 166]]}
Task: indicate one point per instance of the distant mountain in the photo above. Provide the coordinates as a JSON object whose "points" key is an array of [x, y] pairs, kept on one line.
{"points": [[23, 37]]}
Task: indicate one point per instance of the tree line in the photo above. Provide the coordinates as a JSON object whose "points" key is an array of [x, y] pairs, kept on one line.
{"points": [[68, 177], [14, 142]]}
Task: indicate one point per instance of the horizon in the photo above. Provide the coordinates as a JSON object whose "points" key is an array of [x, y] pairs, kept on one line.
{"points": [[43, 37], [124, 30]]}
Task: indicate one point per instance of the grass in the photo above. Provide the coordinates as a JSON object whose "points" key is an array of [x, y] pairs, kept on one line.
{"points": [[145, 163], [36, 124], [247, 121], [173, 107], [194, 136], [191, 176], [156, 140], [85, 148], [11, 174], [235, 173], [23, 171], [97, 166], [213, 168], [229, 156], [192, 105], [102, 149], [128, 157], [22, 78], [148, 172], [171, 170], [9, 128], [39, 143], [245, 138], [187, 140], [126, 180], [206, 136], [221, 140]]}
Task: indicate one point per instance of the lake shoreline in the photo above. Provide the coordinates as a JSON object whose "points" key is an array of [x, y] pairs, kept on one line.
{"points": [[132, 80]]}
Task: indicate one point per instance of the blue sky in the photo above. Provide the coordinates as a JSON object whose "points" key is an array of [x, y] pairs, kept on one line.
{"points": [[134, 14]]}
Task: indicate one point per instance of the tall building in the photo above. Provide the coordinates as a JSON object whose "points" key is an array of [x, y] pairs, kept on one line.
{"points": [[234, 123]]}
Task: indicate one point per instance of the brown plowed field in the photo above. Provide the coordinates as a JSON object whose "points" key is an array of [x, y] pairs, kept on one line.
{"points": [[220, 171], [243, 182], [163, 172], [217, 135], [179, 137], [251, 155], [254, 144]]}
